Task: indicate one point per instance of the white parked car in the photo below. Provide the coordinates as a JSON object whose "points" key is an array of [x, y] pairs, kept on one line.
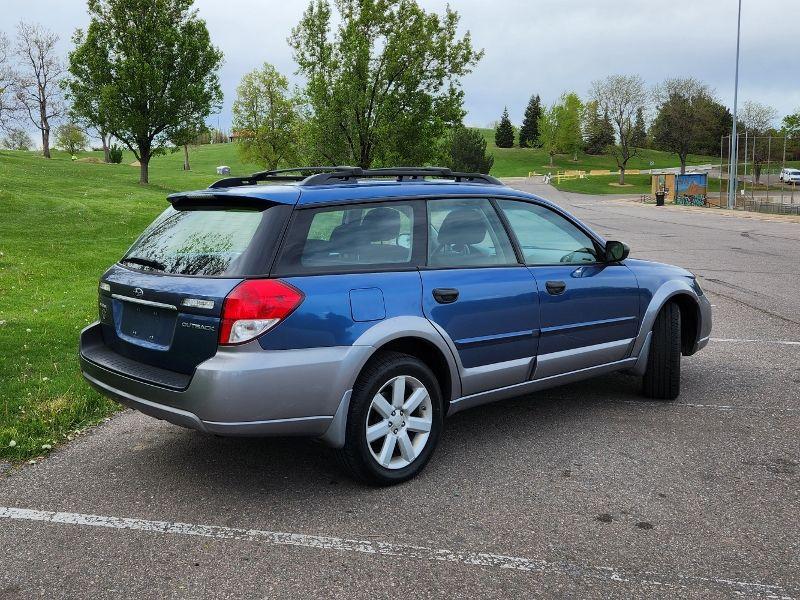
{"points": [[790, 176]]}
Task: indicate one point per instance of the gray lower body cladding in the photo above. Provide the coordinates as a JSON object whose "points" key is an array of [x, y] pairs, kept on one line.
{"points": [[243, 390]]}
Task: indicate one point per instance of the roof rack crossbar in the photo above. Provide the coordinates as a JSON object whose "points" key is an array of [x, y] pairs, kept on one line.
{"points": [[301, 173]]}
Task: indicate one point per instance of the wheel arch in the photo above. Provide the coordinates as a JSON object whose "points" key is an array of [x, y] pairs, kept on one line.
{"points": [[690, 321], [685, 297], [428, 353], [414, 336]]}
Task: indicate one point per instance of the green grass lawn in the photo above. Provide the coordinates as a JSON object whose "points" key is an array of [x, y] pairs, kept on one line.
{"points": [[63, 223], [634, 185]]}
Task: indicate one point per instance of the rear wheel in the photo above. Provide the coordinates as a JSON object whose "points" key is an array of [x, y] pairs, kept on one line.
{"points": [[394, 421], [662, 379]]}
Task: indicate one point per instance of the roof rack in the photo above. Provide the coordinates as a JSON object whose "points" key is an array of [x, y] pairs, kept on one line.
{"points": [[314, 176], [351, 174], [300, 173]]}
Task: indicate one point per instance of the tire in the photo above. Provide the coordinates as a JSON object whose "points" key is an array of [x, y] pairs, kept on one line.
{"points": [[373, 462], [662, 379]]}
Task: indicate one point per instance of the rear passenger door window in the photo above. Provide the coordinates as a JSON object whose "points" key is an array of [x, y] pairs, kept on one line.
{"points": [[352, 238], [466, 232]]}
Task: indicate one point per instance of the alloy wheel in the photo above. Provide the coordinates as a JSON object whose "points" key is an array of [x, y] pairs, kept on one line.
{"points": [[399, 422]]}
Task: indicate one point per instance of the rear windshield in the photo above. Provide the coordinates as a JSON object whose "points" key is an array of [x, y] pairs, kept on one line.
{"points": [[203, 242]]}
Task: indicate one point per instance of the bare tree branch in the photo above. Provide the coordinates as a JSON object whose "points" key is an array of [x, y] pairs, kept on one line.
{"points": [[37, 84]]}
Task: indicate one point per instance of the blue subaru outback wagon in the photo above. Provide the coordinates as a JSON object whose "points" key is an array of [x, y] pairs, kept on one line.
{"points": [[361, 307]]}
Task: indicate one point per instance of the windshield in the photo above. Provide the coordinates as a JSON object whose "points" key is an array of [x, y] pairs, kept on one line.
{"points": [[195, 242]]}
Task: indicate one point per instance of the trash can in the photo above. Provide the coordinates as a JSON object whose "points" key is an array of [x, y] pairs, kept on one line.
{"points": [[660, 197]]}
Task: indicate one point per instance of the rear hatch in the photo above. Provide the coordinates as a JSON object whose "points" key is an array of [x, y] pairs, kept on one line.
{"points": [[161, 304]]}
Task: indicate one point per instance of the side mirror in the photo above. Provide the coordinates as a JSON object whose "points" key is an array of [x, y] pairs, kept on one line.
{"points": [[616, 251]]}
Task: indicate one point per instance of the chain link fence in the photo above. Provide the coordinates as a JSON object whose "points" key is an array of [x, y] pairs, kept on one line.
{"points": [[762, 179]]}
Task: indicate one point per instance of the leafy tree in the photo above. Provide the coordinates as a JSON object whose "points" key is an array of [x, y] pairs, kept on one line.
{"points": [[757, 120], [17, 139], [504, 134], [86, 108], [599, 132], [790, 126], [548, 131], [683, 116], [529, 132], [383, 79], [621, 96], [717, 122], [71, 138], [266, 118], [37, 84], [466, 151], [639, 133], [569, 115], [153, 69], [184, 136]]}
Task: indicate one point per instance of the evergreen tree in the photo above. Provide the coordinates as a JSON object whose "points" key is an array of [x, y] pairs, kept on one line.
{"points": [[504, 134], [639, 134], [529, 133]]}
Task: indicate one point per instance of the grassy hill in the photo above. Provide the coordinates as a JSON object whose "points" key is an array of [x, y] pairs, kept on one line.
{"points": [[518, 162], [64, 222]]}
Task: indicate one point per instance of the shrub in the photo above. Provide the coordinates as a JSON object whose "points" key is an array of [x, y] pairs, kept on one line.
{"points": [[115, 154], [467, 151]]}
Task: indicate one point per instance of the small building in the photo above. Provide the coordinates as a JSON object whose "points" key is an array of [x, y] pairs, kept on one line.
{"points": [[688, 189]]}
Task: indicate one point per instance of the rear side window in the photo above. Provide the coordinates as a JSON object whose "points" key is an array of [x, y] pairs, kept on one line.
{"points": [[351, 238], [202, 242]]}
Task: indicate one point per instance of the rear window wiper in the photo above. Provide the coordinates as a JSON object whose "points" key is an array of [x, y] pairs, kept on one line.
{"points": [[145, 262]]}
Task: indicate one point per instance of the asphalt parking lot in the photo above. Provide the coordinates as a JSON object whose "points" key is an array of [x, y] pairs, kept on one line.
{"points": [[585, 491]]}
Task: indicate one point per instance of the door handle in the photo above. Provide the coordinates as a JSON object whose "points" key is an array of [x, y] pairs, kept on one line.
{"points": [[445, 295], [555, 288]]}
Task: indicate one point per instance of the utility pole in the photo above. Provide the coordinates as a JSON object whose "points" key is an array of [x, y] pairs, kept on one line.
{"points": [[734, 138]]}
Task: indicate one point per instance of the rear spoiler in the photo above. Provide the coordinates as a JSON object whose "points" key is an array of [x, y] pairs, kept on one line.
{"points": [[211, 200]]}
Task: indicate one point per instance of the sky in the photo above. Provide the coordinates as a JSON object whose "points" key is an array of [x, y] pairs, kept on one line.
{"points": [[530, 46]]}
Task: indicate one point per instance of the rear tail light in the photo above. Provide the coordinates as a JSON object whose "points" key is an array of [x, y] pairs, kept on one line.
{"points": [[254, 307]]}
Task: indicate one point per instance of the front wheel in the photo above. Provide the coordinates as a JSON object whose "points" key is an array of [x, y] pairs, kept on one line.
{"points": [[394, 421], [662, 379]]}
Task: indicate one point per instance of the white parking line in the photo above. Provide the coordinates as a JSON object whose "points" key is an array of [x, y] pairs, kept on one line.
{"points": [[748, 341], [480, 559]]}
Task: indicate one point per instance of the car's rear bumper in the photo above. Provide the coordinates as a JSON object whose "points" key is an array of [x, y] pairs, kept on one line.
{"points": [[243, 390]]}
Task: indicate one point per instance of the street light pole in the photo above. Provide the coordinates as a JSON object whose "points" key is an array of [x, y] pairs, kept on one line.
{"points": [[734, 137]]}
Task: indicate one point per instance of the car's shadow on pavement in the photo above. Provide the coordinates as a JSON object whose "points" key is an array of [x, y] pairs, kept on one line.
{"points": [[192, 463]]}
